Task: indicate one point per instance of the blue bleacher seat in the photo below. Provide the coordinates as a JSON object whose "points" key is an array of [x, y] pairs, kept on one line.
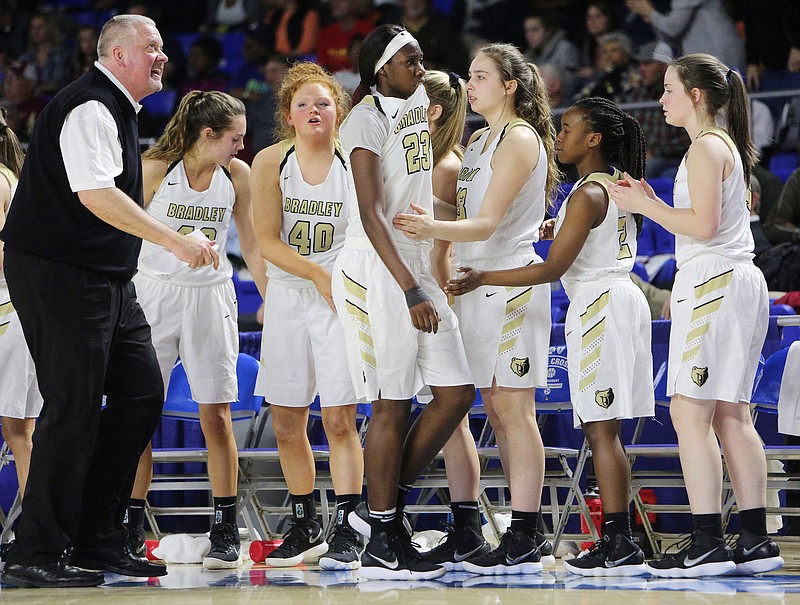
{"points": [[247, 295], [781, 310], [160, 104], [179, 403]]}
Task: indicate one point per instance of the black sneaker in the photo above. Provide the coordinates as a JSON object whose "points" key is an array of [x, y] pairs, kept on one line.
{"points": [[762, 556], [344, 550], [302, 541], [693, 559], [456, 546], [546, 549], [392, 556], [360, 521], [516, 554], [225, 550], [610, 556], [134, 538]]}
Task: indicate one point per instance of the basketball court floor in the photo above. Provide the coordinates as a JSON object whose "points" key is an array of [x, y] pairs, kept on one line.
{"points": [[256, 583]]}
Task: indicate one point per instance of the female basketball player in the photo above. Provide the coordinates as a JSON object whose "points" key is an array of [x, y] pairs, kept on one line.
{"points": [[21, 401], [714, 344], [401, 334], [608, 321], [302, 194], [193, 181], [505, 178]]}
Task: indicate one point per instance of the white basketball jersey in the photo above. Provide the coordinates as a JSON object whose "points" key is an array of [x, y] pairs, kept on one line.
{"points": [[397, 131], [733, 239], [610, 248], [5, 171], [519, 227], [314, 216], [183, 209]]}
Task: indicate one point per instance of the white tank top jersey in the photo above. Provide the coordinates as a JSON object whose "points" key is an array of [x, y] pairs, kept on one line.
{"points": [[733, 239], [183, 209], [5, 171], [397, 131], [610, 248], [314, 216], [519, 227]]}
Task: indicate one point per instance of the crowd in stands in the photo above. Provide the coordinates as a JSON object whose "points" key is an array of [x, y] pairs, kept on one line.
{"points": [[614, 49]]}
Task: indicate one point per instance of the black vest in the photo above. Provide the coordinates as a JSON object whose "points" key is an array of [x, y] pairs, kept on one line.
{"points": [[47, 219]]}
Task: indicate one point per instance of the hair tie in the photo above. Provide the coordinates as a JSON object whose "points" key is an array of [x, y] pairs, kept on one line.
{"points": [[728, 77], [454, 78], [3, 128]]}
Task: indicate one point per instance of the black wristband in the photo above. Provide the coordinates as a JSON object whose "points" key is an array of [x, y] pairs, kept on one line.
{"points": [[415, 295]]}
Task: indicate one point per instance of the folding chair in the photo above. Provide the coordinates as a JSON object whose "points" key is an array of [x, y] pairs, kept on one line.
{"points": [[180, 406]]}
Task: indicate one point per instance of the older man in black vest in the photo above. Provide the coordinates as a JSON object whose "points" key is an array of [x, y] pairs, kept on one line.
{"points": [[72, 243]]}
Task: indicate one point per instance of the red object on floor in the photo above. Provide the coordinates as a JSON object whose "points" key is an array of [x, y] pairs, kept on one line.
{"points": [[260, 549], [150, 545], [596, 510]]}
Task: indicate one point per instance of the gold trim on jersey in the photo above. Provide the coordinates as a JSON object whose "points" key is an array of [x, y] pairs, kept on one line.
{"points": [[515, 317]]}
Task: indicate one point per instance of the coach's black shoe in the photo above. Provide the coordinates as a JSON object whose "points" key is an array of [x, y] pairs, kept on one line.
{"points": [[756, 554], [49, 575], [115, 559]]}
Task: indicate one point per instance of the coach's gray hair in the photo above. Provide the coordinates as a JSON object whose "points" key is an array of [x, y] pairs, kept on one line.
{"points": [[117, 29]]}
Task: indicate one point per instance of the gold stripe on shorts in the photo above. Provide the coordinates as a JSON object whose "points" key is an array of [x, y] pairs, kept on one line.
{"points": [[4, 327], [514, 319], [595, 307], [6, 308], [354, 288]]}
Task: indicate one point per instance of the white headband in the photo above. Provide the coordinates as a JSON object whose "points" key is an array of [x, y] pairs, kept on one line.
{"points": [[395, 44]]}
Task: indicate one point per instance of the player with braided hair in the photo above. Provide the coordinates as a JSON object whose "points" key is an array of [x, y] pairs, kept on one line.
{"points": [[608, 322]]}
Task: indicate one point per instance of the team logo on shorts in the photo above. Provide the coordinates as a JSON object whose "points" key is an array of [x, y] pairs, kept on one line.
{"points": [[520, 367], [699, 375], [604, 398]]}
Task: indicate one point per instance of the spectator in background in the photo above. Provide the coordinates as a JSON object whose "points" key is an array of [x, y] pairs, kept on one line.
{"points": [[349, 19], [261, 109], [759, 236], [224, 15], [666, 144], [547, 43], [772, 44], [783, 224], [203, 67], [600, 20], [295, 26], [85, 53], [14, 27], [350, 78], [620, 75], [20, 99], [444, 48], [695, 26], [247, 81], [494, 21], [47, 54], [558, 84]]}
